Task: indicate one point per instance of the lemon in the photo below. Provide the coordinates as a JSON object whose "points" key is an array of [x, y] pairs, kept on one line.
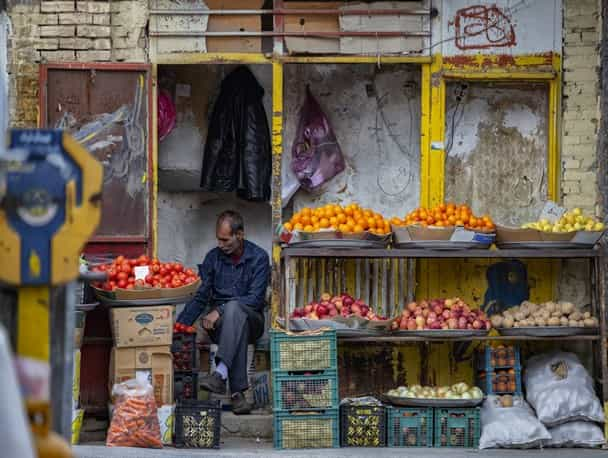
{"points": [[589, 226], [543, 222], [578, 227], [598, 226], [577, 211]]}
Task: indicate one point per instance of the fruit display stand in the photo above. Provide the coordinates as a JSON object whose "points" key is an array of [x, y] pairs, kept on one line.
{"points": [[596, 337]]}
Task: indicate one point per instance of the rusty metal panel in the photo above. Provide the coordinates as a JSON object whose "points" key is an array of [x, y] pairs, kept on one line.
{"points": [[107, 111], [496, 148]]}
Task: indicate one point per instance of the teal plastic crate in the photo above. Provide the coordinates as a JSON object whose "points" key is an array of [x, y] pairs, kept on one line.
{"points": [[410, 427], [297, 353], [457, 427], [490, 358], [488, 382], [305, 392], [307, 430]]}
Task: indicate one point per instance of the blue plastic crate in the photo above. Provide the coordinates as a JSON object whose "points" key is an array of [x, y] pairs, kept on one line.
{"points": [[305, 392], [493, 358], [410, 426], [457, 427], [489, 382], [297, 353], [307, 430]]}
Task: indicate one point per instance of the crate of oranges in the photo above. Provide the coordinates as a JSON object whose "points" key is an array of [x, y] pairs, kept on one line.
{"points": [[444, 223], [336, 223]]}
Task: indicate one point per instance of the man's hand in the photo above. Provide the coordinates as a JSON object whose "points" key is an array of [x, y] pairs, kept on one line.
{"points": [[210, 319]]}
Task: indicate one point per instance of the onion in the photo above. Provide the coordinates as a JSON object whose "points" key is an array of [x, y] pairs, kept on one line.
{"points": [[466, 395]]}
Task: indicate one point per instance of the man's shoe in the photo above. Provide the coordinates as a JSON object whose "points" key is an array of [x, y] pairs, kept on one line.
{"points": [[240, 405], [214, 383]]}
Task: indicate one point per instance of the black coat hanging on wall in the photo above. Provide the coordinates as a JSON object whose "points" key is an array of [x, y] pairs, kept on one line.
{"points": [[237, 153]]}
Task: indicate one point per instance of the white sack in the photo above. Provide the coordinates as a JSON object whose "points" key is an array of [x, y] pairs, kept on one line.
{"points": [[576, 434], [560, 389], [510, 427]]}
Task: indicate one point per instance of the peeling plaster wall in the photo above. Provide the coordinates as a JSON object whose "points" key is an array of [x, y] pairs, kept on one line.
{"points": [[186, 216], [375, 114], [498, 156]]}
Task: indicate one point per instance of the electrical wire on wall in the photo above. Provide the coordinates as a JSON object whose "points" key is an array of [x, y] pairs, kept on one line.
{"points": [[456, 115]]}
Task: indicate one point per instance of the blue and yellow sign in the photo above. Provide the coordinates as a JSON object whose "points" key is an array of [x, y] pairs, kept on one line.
{"points": [[50, 189]]}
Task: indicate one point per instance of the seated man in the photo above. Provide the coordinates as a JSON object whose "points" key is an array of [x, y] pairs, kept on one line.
{"points": [[235, 277]]}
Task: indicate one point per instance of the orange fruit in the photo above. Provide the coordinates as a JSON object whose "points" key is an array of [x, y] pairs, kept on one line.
{"points": [[452, 220], [288, 227], [314, 219], [298, 227], [350, 227], [316, 227], [306, 211], [349, 211], [333, 221], [305, 220], [371, 223], [343, 228], [358, 228], [442, 207], [459, 223], [308, 228], [324, 222], [430, 220], [341, 218]]}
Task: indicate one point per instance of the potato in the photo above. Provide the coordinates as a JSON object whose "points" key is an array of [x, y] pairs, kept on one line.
{"points": [[497, 321], [573, 323], [589, 323], [508, 322], [557, 314], [566, 307], [576, 316], [586, 315], [545, 314], [553, 321], [550, 307], [564, 321], [519, 316], [541, 322]]}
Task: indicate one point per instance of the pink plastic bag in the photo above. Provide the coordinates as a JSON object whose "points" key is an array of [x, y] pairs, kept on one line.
{"points": [[166, 114], [316, 156]]}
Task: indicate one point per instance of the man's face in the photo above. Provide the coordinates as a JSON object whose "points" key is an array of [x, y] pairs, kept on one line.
{"points": [[228, 242]]}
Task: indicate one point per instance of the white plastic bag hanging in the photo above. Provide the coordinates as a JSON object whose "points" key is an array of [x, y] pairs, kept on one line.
{"points": [[560, 389], [510, 427]]}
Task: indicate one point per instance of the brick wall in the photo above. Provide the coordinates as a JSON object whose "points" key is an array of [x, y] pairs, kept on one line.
{"points": [[581, 41], [69, 31]]}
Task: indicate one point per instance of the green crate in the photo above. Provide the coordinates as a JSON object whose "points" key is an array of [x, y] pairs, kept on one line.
{"points": [[293, 352], [457, 427], [305, 392], [307, 429], [410, 427]]}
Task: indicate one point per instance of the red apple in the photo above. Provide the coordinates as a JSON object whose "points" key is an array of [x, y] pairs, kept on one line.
{"points": [[425, 312], [411, 325], [308, 309], [412, 306], [326, 297], [476, 324], [348, 301], [322, 310], [406, 314], [333, 312], [446, 314]]}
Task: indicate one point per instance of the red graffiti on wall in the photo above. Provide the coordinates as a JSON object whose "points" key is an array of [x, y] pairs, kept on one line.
{"points": [[481, 27]]}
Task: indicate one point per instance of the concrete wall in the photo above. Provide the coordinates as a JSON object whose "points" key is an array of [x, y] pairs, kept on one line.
{"points": [[496, 145], [186, 215], [375, 114]]}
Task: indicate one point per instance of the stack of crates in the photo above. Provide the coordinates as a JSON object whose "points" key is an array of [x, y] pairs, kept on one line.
{"points": [[434, 427], [185, 372], [498, 370], [305, 390]]}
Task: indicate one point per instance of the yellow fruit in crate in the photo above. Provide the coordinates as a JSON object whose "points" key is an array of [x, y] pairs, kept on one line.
{"points": [[599, 226], [577, 211]]}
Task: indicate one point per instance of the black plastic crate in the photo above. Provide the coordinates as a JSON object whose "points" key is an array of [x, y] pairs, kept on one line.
{"points": [[184, 351], [185, 385], [457, 427], [197, 424], [362, 426], [410, 426]]}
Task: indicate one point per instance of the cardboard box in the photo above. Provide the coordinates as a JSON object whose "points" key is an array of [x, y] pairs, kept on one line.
{"points": [[402, 234], [149, 293], [142, 326], [312, 23], [234, 23], [156, 362]]}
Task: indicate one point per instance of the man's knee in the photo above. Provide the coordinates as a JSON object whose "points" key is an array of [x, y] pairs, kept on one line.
{"points": [[233, 308]]}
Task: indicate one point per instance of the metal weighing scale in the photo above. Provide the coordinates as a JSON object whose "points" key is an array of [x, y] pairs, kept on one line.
{"points": [[50, 193]]}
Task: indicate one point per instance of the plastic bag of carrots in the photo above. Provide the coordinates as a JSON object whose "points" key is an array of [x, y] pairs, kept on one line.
{"points": [[135, 421]]}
